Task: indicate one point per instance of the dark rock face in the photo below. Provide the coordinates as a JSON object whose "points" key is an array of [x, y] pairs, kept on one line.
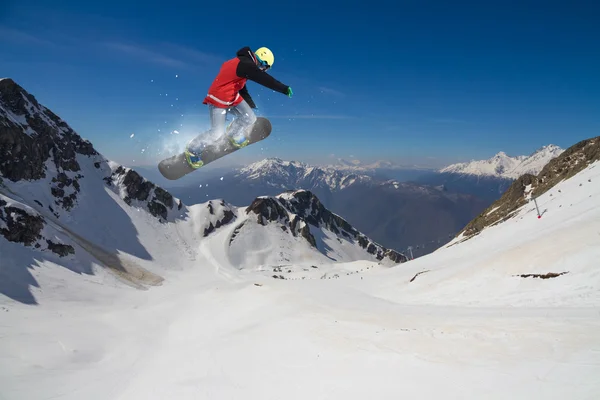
{"points": [[268, 209], [140, 189], [306, 205], [224, 215], [307, 211], [22, 227], [567, 164], [62, 250], [32, 135]]}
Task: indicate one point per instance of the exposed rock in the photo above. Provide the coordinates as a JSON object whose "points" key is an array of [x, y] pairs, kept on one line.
{"points": [[62, 250], [228, 216], [158, 200], [297, 211], [569, 163], [221, 215], [31, 135], [268, 209], [417, 274], [549, 275], [20, 226], [308, 207], [34, 143]]}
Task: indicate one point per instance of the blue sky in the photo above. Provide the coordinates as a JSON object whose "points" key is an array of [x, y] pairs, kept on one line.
{"points": [[408, 81]]}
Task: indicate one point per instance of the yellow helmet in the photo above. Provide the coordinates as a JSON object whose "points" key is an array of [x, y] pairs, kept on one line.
{"points": [[266, 55]]}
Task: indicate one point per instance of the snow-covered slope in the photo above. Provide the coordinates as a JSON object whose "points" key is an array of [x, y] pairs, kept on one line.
{"points": [[472, 318], [503, 166]]}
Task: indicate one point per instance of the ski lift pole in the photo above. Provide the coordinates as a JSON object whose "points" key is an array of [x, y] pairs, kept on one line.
{"points": [[537, 208]]}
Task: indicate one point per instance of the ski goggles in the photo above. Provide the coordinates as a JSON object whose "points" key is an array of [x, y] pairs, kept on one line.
{"points": [[262, 64]]}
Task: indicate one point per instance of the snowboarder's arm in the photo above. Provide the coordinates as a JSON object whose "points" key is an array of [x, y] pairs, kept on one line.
{"points": [[246, 96], [249, 70]]}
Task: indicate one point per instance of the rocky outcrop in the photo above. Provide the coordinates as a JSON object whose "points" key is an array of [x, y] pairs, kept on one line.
{"points": [[31, 135], [308, 207], [566, 165], [136, 188], [269, 209], [220, 214], [569, 163], [296, 211], [36, 144], [19, 224]]}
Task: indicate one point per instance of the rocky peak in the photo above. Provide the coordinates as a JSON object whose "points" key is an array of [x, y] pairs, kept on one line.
{"points": [[136, 188], [35, 144], [270, 209], [31, 135], [22, 224], [299, 211], [306, 205]]}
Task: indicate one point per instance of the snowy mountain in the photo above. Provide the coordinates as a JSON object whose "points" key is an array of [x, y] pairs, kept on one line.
{"points": [[503, 166], [393, 213], [298, 222], [288, 174], [512, 311], [62, 201]]}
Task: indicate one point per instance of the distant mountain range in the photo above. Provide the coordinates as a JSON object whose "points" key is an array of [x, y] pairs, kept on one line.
{"points": [[357, 165], [397, 205], [503, 166], [489, 179], [394, 213]]}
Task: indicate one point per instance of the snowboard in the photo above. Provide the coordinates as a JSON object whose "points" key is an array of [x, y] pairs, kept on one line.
{"points": [[176, 167]]}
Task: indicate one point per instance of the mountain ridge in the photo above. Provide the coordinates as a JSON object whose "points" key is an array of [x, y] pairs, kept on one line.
{"points": [[502, 165], [391, 212]]}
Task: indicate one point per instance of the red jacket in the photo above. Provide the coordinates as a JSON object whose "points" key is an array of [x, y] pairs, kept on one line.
{"points": [[229, 87]]}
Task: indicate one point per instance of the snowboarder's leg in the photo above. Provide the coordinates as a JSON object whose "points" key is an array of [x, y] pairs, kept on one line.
{"points": [[241, 125], [193, 151]]}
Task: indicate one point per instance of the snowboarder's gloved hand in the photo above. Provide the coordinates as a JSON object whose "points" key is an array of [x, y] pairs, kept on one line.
{"points": [[289, 92]]}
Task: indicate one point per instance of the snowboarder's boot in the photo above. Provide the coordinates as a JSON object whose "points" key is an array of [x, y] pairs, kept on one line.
{"points": [[193, 159]]}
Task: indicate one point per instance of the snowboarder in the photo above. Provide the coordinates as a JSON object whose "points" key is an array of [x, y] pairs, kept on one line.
{"points": [[228, 94]]}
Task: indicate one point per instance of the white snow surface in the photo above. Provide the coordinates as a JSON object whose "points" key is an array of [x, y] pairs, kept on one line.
{"points": [[503, 166], [466, 328]]}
